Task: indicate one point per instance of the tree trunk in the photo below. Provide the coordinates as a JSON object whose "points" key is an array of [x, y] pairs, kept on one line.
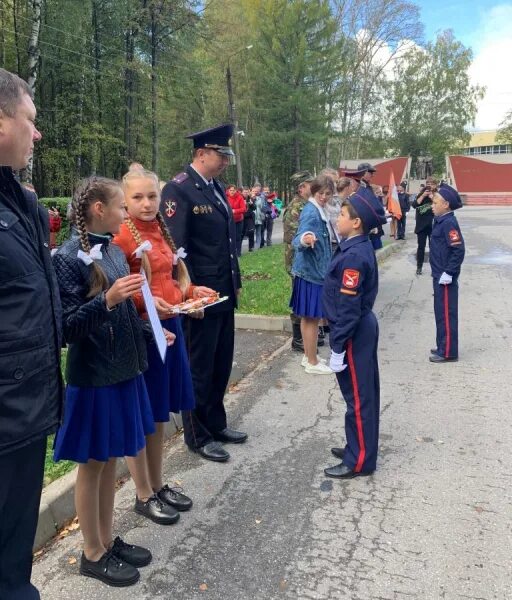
{"points": [[128, 94], [97, 81], [16, 36], [154, 124]]}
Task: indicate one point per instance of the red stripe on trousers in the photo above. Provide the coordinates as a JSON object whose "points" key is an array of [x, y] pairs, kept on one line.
{"points": [[357, 409], [447, 323]]}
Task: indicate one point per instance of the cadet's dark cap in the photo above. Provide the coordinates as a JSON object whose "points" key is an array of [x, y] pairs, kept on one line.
{"points": [[366, 167], [301, 177], [356, 174], [368, 207], [216, 138], [451, 195]]}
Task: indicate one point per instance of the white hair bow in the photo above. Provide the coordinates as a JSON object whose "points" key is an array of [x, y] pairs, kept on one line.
{"points": [[89, 258], [180, 253], [144, 247]]}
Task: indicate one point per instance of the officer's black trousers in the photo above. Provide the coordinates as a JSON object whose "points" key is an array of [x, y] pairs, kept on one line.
{"points": [[446, 309], [210, 342], [423, 236], [21, 481], [400, 228]]}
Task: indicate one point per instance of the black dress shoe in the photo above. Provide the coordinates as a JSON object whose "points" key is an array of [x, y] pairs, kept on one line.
{"points": [[137, 556], [297, 344], [418, 271], [212, 451], [230, 436], [433, 350], [341, 471], [157, 511], [321, 341], [173, 497], [110, 569], [435, 358], [338, 452]]}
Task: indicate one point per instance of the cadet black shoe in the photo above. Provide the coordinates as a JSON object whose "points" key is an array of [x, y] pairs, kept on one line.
{"points": [[137, 556], [157, 511], [173, 497], [435, 358], [212, 451], [321, 341], [298, 344], [230, 436], [433, 350], [338, 452], [341, 471], [418, 271], [110, 569]]}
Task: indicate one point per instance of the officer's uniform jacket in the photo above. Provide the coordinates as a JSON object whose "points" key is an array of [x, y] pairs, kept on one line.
{"points": [[446, 246], [350, 289], [204, 226]]}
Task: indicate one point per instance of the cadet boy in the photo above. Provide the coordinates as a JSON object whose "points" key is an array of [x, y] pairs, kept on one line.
{"points": [[446, 256], [350, 289]]}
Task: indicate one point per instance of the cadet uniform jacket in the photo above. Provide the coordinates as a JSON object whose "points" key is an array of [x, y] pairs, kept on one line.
{"points": [[204, 226], [350, 289], [446, 246]]}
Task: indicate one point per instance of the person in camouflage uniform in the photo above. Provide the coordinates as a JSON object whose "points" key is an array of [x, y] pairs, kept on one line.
{"points": [[291, 216]]}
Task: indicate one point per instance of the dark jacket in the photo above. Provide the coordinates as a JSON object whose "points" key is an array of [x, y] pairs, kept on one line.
{"points": [[446, 246], [424, 215], [30, 322], [104, 347], [405, 203], [350, 289], [204, 226], [249, 224]]}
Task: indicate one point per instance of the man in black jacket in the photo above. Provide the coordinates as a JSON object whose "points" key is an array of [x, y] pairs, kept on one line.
{"points": [[30, 341], [200, 219], [405, 205]]}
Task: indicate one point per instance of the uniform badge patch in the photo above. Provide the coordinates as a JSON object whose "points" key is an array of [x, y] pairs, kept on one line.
{"points": [[454, 235], [350, 278], [170, 208]]}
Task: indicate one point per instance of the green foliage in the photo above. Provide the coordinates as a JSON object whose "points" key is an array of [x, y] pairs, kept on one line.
{"points": [[266, 286], [505, 131]]}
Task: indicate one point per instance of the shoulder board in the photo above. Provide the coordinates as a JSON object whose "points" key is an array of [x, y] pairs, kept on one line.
{"points": [[180, 178]]}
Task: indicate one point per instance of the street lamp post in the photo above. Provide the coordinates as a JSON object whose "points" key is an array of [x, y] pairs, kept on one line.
{"points": [[233, 119]]}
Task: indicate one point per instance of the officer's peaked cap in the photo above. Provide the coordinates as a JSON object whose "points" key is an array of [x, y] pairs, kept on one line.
{"points": [[216, 138], [451, 195], [366, 167], [368, 208]]}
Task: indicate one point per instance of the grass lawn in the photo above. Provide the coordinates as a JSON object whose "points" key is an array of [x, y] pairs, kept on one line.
{"points": [[266, 286]]}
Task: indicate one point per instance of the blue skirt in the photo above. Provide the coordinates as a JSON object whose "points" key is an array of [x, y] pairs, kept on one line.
{"points": [[104, 422], [306, 300], [169, 384]]}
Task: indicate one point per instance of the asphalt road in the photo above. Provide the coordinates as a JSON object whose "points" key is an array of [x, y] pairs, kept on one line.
{"points": [[433, 522]]}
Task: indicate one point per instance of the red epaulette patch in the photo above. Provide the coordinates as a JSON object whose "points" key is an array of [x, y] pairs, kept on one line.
{"points": [[454, 236], [350, 278]]}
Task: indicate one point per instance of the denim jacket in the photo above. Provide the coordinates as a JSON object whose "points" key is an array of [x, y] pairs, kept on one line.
{"points": [[311, 264]]}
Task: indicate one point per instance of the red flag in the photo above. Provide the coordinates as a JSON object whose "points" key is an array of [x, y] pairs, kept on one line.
{"points": [[393, 201]]}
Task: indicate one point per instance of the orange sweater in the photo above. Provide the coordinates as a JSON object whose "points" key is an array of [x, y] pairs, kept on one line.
{"points": [[161, 261]]}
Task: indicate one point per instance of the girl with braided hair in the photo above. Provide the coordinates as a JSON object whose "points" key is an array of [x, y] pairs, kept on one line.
{"points": [[169, 384], [108, 412]]}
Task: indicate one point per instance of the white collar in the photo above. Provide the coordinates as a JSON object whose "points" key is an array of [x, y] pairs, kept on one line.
{"points": [[320, 209]]}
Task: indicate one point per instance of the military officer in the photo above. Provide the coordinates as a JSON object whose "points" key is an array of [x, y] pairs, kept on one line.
{"points": [[200, 220], [302, 180]]}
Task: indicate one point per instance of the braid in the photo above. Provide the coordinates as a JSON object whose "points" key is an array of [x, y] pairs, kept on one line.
{"points": [[182, 274], [146, 265], [89, 190]]}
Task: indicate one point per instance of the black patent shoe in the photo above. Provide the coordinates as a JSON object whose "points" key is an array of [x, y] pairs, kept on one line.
{"points": [[230, 436], [418, 271], [435, 358], [341, 471], [298, 344], [338, 452], [173, 497], [212, 451], [110, 569], [137, 556], [157, 511]]}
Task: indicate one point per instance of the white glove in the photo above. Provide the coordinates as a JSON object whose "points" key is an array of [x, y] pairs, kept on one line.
{"points": [[336, 361], [445, 279]]}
